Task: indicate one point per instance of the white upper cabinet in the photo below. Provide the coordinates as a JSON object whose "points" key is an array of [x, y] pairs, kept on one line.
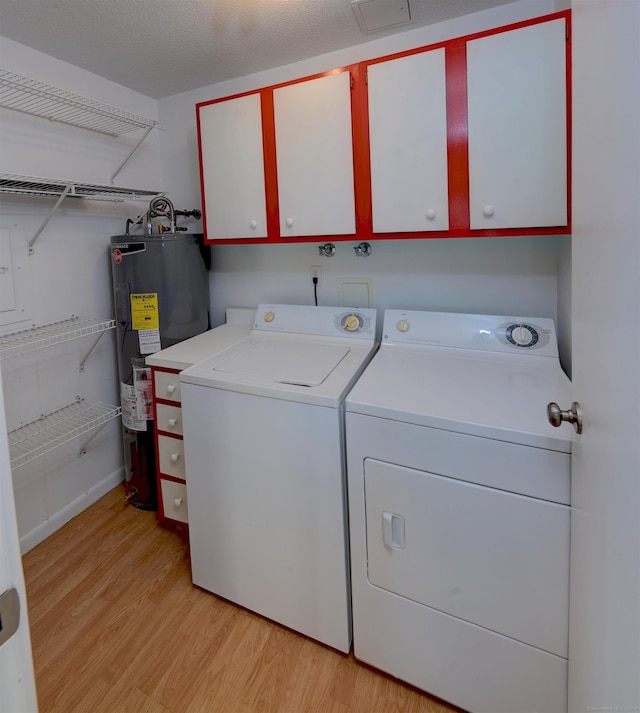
{"points": [[516, 87], [315, 157], [232, 162], [408, 143]]}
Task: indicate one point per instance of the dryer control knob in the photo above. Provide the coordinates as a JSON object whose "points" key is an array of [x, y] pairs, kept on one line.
{"points": [[351, 323], [269, 317], [403, 325]]}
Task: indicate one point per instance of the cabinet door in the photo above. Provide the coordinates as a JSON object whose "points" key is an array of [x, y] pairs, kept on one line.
{"points": [[315, 157], [408, 143], [232, 164], [518, 128]]}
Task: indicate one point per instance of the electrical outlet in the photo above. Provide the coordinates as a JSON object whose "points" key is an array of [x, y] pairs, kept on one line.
{"points": [[315, 271]]}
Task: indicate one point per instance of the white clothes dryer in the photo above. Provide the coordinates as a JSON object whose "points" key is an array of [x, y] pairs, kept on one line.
{"points": [[264, 450], [459, 494]]}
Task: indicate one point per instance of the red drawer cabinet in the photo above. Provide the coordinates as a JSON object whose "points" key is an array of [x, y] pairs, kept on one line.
{"points": [[465, 138], [172, 490]]}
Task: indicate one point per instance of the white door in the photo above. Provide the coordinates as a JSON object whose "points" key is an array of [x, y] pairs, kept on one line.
{"points": [[314, 151], [232, 163], [17, 683], [516, 89], [408, 143], [604, 630]]}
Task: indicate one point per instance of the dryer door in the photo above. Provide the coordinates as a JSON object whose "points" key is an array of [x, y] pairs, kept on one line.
{"points": [[490, 557]]}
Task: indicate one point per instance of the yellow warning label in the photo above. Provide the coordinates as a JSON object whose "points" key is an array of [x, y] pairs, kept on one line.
{"points": [[144, 311]]}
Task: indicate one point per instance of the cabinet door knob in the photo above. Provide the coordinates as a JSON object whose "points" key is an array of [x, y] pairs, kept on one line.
{"points": [[488, 210], [289, 222], [172, 422], [171, 388], [178, 502], [431, 214], [253, 224], [174, 457]]}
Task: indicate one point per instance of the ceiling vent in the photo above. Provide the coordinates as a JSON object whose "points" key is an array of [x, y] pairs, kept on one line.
{"points": [[377, 15]]}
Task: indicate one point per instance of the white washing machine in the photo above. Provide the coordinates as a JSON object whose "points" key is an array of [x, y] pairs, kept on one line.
{"points": [[264, 453], [459, 493]]}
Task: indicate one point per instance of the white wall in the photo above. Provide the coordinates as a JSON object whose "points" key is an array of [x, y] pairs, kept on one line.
{"points": [[68, 274], [510, 276]]}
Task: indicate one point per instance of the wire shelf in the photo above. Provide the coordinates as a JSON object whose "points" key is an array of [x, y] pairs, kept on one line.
{"points": [[32, 97], [46, 335], [35, 186], [56, 428]]}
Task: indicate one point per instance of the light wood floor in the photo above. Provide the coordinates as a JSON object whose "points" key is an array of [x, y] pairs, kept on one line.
{"points": [[117, 627]]}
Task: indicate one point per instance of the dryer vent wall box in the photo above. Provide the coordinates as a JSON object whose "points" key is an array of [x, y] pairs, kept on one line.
{"points": [[355, 291]]}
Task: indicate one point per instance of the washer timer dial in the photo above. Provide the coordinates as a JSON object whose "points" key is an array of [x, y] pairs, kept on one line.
{"points": [[352, 322]]}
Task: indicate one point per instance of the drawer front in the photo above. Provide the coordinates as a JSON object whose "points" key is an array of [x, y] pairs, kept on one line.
{"points": [[169, 419], [174, 500], [167, 385], [171, 455]]}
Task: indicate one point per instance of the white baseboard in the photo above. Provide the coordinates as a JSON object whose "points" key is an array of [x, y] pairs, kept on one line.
{"points": [[40, 533]]}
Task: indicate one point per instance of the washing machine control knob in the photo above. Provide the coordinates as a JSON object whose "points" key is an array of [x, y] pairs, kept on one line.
{"points": [[351, 323], [402, 325], [269, 317]]}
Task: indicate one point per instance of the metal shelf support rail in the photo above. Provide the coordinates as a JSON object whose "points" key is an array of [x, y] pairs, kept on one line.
{"points": [[58, 427], [29, 96], [34, 186], [46, 335]]}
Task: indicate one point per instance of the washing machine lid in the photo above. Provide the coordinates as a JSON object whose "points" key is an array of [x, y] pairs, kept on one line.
{"points": [[310, 370], [296, 353], [286, 361]]}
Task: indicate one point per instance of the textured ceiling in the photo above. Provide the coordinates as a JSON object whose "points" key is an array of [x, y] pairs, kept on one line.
{"points": [[164, 47]]}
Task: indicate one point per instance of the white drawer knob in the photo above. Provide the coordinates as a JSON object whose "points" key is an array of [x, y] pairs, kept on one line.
{"points": [[488, 211], [171, 388], [289, 222], [172, 422], [174, 457], [253, 224], [431, 214], [178, 502]]}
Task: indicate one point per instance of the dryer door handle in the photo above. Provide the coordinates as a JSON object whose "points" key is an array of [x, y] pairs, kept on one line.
{"points": [[393, 530]]}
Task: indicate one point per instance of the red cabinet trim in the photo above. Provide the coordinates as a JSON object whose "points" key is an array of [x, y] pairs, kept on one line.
{"points": [[457, 136]]}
